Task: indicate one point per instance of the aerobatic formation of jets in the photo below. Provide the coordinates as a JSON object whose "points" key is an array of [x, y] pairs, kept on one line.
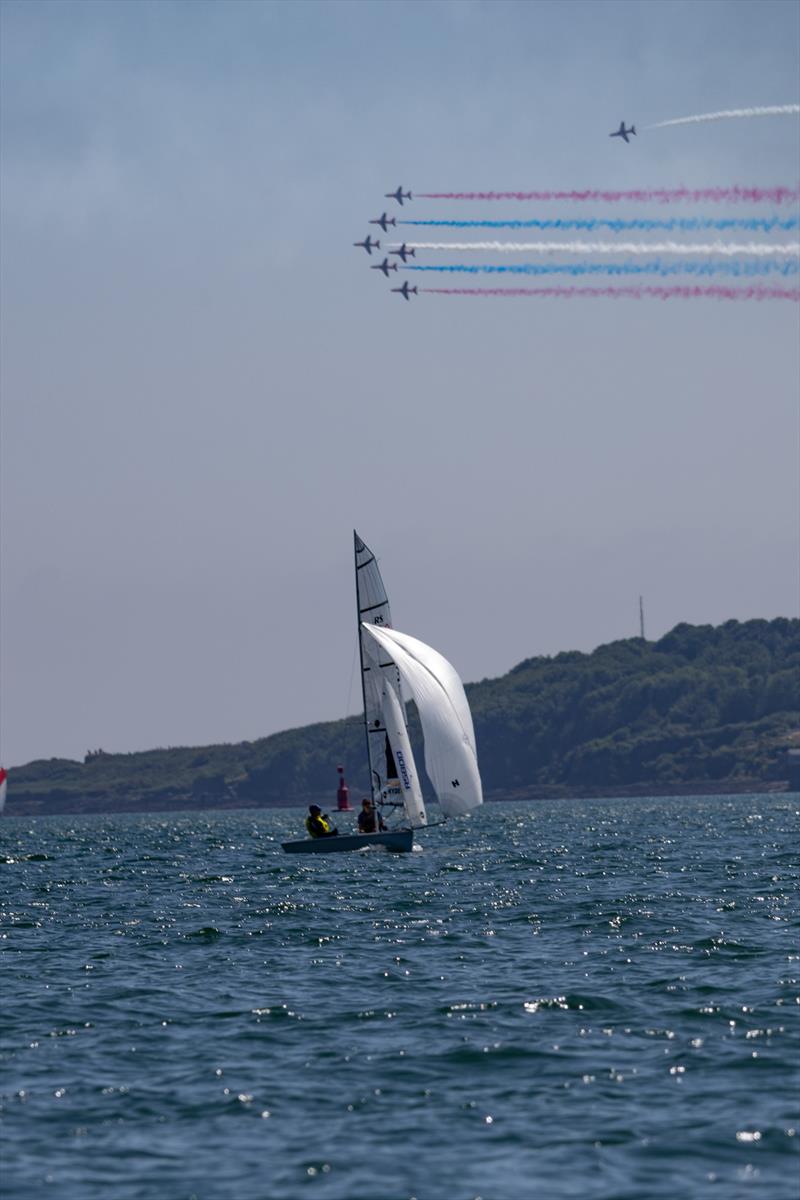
{"points": [[738, 262], [404, 251]]}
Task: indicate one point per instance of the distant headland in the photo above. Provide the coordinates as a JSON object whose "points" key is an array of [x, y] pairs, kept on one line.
{"points": [[704, 709]]}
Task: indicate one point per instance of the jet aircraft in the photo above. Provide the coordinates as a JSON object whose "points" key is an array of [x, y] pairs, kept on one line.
{"points": [[623, 132], [406, 291], [368, 244], [399, 195], [383, 220], [385, 266], [404, 252]]}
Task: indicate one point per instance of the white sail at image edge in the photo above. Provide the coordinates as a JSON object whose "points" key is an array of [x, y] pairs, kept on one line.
{"points": [[451, 759]]}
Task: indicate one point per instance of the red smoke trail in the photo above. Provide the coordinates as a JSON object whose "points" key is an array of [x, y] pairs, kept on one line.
{"points": [[655, 292], [730, 195]]}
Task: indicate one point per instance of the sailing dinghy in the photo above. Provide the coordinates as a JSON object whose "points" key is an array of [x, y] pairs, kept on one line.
{"points": [[394, 665]]}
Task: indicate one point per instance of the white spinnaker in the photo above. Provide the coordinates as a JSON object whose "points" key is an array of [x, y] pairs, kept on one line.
{"points": [[450, 756], [394, 720]]}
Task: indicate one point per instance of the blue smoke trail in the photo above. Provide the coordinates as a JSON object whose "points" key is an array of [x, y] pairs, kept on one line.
{"points": [[658, 266], [683, 224]]}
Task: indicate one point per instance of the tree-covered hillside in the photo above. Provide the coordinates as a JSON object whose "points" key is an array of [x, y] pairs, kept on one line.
{"points": [[702, 705]]}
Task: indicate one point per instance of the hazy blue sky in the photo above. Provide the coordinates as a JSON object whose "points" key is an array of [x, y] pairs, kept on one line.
{"points": [[204, 389]]}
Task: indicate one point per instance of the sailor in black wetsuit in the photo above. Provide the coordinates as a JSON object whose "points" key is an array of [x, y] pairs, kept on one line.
{"points": [[369, 821]]}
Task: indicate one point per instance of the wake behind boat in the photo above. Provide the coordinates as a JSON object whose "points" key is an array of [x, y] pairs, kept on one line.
{"points": [[390, 662]]}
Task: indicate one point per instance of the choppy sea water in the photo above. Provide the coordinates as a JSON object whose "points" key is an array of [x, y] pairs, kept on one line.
{"points": [[570, 999]]}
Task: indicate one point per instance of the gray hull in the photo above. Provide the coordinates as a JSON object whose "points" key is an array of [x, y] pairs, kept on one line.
{"points": [[397, 839]]}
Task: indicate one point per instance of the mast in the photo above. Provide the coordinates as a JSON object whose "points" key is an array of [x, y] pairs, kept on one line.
{"points": [[641, 618], [358, 548], [372, 607]]}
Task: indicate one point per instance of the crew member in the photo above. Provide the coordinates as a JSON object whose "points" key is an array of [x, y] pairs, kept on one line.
{"points": [[318, 824], [369, 821]]}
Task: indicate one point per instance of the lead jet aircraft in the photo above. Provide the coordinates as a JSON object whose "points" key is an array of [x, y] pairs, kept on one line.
{"points": [[406, 291], [368, 244], [404, 252], [623, 132], [383, 220], [385, 266], [399, 195]]}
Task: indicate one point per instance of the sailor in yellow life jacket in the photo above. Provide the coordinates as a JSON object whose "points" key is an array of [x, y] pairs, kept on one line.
{"points": [[317, 825]]}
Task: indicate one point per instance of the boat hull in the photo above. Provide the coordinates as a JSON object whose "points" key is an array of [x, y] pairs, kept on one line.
{"points": [[396, 839]]}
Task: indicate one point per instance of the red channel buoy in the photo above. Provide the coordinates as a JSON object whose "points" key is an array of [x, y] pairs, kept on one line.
{"points": [[342, 793]]}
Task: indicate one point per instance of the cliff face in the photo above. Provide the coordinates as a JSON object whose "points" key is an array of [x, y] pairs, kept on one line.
{"points": [[703, 709]]}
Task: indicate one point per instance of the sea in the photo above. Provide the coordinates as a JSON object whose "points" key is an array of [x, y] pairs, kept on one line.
{"points": [[565, 999]]}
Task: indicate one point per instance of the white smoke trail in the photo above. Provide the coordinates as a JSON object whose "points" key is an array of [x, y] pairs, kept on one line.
{"points": [[772, 110], [729, 249]]}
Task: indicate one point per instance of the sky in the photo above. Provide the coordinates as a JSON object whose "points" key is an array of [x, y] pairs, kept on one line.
{"points": [[205, 390]]}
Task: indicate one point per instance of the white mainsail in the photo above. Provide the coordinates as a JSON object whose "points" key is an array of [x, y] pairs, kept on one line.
{"points": [[451, 759], [373, 609], [395, 722], [3, 787]]}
